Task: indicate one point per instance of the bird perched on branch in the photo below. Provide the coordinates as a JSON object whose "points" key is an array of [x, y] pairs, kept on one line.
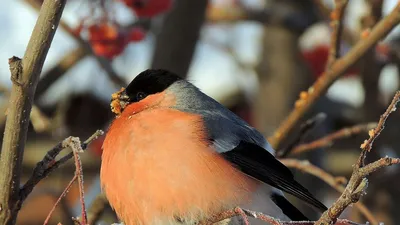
{"points": [[174, 155]]}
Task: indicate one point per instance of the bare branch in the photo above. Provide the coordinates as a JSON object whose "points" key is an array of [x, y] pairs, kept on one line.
{"points": [[49, 164], [176, 41], [373, 134], [104, 63], [307, 167], [329, 139], [97, 208], [55, 73], [39, 121], [337, 25], [63, 194], [75, 145], [25, 75], [305, 129], [244, 213], [325, 12], [358, 181], [379, 164], [336, 182], [338, 68]]}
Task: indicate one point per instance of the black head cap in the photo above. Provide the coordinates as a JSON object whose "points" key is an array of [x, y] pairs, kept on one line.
{"points": [[149, 82]]}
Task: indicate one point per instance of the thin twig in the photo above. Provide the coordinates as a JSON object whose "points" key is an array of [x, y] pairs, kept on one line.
{"points": [[49, 164], [379, 164], [374, 133], [325, 12], [63, 194], [358, 182], [76, 149], [64, 205], [97, 208], [369, 66], [307, 167], [40, 122], [338, 68], [329, 139], [323, 9], [68, 61], [260, 216], [25, 75], [305, 129], [103, 62], [337, 16], [75, 144], [335, 182]]}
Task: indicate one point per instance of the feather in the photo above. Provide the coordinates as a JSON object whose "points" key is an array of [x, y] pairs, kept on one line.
{"points": [[256, 162]]}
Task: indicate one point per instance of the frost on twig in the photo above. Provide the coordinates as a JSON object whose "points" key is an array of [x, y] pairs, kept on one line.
{"points": [[244, 213], [49, 163], [75, 144]]}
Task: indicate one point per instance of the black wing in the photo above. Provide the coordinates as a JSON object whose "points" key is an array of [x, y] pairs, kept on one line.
{"points": [[257, 162]]}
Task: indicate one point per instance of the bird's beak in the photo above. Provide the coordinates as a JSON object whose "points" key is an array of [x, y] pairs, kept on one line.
{"points": [[119, 100]]}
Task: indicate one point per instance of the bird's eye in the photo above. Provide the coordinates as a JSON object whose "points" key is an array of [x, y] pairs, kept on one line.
{"points": [[140, 95]]}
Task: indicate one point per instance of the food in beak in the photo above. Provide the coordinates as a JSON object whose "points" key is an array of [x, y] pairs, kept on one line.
{"points": [[118, 101]]}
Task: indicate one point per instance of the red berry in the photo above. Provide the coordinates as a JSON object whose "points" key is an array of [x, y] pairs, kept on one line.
{"points": [[108, 50], [106, 40], [136, 34], [103, 31], [148, 8], [317, 59]]}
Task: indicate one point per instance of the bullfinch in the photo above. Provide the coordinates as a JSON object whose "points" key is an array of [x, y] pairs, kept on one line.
{"points": [[174, 155]]}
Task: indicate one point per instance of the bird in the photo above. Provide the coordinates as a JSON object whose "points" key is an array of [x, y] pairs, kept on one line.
{"points": [[174, 155]]}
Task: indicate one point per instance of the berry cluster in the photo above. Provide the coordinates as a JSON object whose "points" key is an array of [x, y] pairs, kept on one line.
{"points": [[109, 39]]}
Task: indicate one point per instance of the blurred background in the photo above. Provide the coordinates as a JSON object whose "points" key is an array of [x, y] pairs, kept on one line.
{"points": [[253, 56]]}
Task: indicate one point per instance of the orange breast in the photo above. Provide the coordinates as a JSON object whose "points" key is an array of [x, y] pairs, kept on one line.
{"points": [[157, 165]]}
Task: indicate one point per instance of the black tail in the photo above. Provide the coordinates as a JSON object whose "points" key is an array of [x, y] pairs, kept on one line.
{"points": [[287, 208]]}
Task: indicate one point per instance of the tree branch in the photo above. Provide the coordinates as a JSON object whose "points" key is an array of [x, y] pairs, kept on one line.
{"points": [[40, 122], [176, 42], [63, 194], [337, 25], [75, 144], [25, 74], [305, 129], [49, 164], [325, 12], [358, 181], [68, 61], [370, 67], [335, 182], [374, 133], [244, 213], [328, 140], [96, 210], [328, 77], [76, 149], [103, 62]]}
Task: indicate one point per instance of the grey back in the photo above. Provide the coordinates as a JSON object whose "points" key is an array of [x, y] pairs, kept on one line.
{"points": [[225, 128]]}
